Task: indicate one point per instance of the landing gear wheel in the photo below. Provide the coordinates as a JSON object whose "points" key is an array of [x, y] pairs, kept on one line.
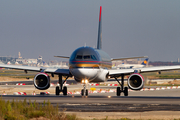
{"points": [[82, 92], [57, 90], [65, 91], [86, 92], [125, 91], [118, 91]]}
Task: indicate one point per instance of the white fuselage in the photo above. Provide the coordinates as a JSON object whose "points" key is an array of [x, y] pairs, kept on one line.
{"points": [[90, 64], [92, 75]]}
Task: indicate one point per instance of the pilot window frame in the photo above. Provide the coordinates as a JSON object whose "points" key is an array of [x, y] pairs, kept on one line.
{"points": [[85, 57], [80, 57]]}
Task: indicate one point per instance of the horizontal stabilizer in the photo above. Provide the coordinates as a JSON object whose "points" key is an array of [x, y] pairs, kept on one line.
{"points": [[114, 59], [62, 57]]}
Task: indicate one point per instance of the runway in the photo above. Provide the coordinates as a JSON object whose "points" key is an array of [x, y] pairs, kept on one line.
{"points": [[109, 102], [97, 99], [157, 100]]}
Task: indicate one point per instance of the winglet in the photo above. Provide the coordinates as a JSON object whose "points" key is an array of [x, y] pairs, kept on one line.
{"points": [[99, 41]]}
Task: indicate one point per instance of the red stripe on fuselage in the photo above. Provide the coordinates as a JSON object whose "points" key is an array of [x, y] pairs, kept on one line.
{"points": [[100, 13], [88, 61], [92, 62]]}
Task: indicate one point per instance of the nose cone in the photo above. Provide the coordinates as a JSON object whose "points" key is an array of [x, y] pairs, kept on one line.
{"points": [[82, 73]]}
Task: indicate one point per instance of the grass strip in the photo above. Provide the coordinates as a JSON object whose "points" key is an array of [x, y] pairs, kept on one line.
{"points": [[23, 110]]}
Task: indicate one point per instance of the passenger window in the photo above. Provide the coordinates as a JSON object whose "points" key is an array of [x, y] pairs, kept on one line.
{"points": [[79, 57], [87, 57]]}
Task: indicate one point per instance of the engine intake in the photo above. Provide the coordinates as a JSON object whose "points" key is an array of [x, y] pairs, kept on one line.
{"points": [[42, 81], [135, 81]]}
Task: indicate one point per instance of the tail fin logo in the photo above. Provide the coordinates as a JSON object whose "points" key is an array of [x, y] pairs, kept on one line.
{"points": [[145, 61]]}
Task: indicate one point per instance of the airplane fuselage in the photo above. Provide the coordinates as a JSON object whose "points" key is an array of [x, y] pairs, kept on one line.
{"points": [[87, 63]]}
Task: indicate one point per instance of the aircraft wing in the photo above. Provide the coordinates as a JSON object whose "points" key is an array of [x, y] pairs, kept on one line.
{"points": [[38, 69], [118, 72], [114, 59]]}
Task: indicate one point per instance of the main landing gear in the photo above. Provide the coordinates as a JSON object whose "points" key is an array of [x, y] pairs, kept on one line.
{"points": [[84, 91], [60, 88], [122, 88]]}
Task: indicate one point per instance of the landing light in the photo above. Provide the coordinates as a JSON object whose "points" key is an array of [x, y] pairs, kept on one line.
{"points": [[109, 96], [86, 81], [82, 81]]}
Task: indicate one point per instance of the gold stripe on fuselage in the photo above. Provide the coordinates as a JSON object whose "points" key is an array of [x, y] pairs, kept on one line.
{"points": [[87, 65], [90, 65]]}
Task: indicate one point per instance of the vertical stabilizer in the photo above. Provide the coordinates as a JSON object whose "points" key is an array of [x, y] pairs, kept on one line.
{"points": [[145, 61], [99, 40]]}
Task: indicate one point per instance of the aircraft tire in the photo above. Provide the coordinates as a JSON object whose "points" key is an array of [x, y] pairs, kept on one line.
{"points": [[86, 92], [65, 90], [57, 90], [125, 91], [118, 91], [82, 92]]}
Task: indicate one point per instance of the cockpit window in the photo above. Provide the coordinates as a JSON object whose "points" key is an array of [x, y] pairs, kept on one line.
{"points": [[93, 57], [87, 57], [79, 57]]}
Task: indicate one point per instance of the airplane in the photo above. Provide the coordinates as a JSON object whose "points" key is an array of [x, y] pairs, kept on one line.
{"points": [[87, 64], [129, 66]]}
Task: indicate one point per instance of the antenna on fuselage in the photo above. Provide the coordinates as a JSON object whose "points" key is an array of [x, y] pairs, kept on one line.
{"points": [[99, 40]]}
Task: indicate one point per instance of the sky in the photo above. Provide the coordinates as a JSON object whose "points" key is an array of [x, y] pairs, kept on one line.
{"points": [[57, 27]]}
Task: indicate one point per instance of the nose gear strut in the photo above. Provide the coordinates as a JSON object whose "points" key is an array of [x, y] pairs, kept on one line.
{"points": [[84, 91]]}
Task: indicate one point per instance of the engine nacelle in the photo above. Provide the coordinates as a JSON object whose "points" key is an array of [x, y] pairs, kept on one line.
{"points": [[42, 81], [135, 81]]}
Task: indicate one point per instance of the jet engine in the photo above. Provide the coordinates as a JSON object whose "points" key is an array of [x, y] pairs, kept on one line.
{"points": [[135, 81], [42, 81]]}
